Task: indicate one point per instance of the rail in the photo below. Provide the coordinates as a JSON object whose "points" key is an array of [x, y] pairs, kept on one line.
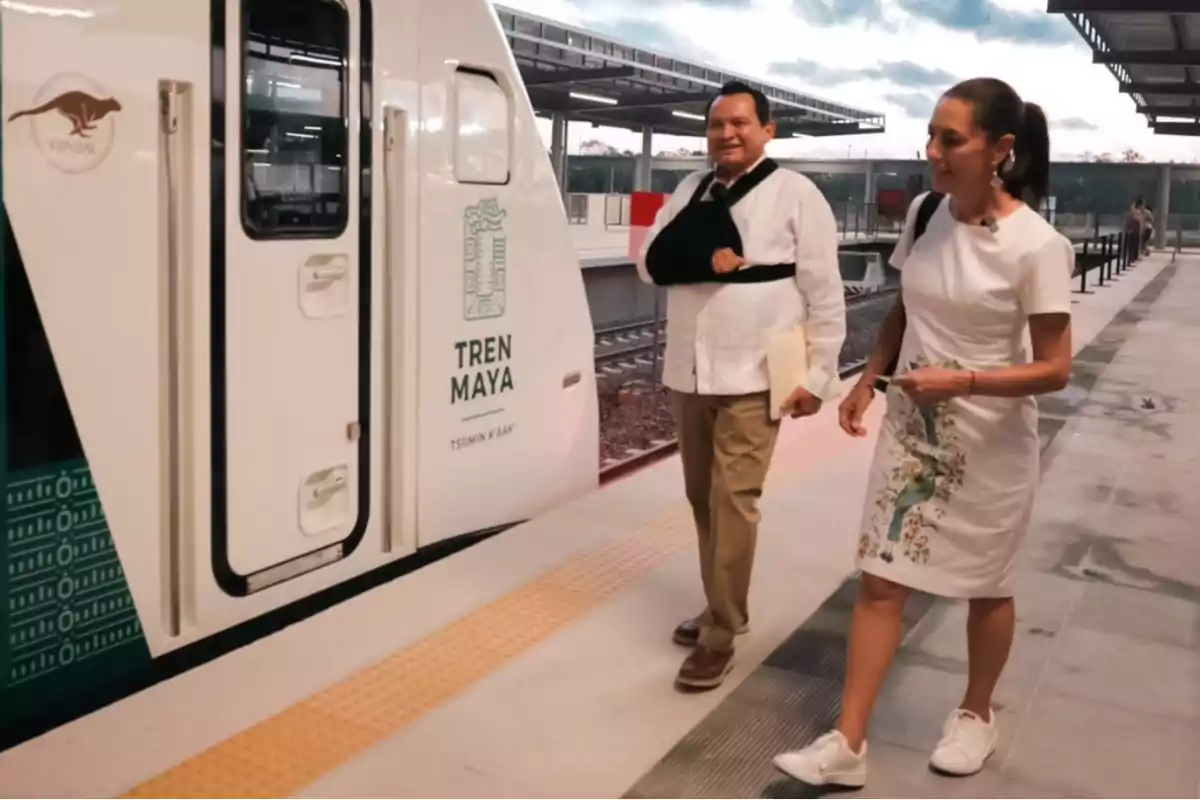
{"points": [[1108, 255], [623, 349]]}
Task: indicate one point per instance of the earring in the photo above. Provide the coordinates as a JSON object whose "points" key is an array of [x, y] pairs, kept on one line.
{"points": [[1003, 167]]}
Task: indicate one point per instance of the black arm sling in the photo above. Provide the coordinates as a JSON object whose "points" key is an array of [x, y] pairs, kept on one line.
{"points": [[924, 213], [682, 252]]}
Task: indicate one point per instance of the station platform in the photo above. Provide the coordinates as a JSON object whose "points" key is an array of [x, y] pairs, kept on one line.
{"points": [[539, 663]]}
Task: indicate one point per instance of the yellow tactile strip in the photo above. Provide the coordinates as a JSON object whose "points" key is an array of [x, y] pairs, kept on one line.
{"points": [[286, 752]]}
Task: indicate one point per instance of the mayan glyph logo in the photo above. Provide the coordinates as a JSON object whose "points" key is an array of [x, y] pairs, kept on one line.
{"points": [[485, 260], [72, 121]]}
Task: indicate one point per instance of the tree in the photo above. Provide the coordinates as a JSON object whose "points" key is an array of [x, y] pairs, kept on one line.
{"points": [[1131, 156]]}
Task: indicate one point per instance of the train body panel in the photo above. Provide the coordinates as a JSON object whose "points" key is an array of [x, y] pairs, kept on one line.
{"points": [[295, 293]]}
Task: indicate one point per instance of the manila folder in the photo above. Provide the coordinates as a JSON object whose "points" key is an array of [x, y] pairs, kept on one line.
{"points": [[787, 365]]}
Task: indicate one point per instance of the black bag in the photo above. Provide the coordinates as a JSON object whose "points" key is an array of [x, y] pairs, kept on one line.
{"points": [[925, 213], [682, 251]]}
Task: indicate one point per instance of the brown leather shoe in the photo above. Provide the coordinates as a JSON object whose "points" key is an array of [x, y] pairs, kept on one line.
{"points": [[705, 668], [688, 632]]}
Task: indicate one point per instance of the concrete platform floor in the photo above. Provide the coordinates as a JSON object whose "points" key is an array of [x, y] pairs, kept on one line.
{"points": [[1101, 697]]}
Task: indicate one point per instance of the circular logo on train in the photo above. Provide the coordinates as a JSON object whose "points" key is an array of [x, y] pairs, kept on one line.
{"points": [[73, 122]]}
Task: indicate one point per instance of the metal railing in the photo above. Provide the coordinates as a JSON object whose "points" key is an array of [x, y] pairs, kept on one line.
{"points": [[1107, 256], [857, 219]]}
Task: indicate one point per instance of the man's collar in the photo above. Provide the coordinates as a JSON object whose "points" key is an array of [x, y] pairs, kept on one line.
{"points": [[741, 174]]}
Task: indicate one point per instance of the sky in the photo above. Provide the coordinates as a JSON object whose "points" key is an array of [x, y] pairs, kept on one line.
{"points": [[888, 56]]}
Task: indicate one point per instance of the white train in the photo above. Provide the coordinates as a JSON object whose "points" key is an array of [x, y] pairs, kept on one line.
{"points": [[289, 295]]}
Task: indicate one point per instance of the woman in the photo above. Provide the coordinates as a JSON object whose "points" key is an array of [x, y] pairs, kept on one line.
{"points": [[956, 465]]}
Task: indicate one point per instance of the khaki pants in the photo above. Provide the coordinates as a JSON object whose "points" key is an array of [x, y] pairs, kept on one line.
{"points": [[726, 443]]}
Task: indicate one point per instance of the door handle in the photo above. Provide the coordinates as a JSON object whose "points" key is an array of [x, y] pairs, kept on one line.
{"points": [[335, 483], [329, 273], [325, 285]]}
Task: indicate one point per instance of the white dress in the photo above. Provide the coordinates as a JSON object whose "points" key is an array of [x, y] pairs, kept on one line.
{"points": [[952, 487]]}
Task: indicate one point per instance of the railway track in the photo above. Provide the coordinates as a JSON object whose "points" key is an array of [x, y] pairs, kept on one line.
{"points": [[627, 349]]}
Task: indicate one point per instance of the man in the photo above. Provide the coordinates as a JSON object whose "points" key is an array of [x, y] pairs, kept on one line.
{"points": [[718, 327]]}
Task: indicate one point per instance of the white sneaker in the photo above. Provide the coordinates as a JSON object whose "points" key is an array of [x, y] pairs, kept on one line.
{"points": [[967, 742], [828, 760]]}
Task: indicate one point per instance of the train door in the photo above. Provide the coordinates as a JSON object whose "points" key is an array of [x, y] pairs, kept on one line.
{"points": [[290, 289]]}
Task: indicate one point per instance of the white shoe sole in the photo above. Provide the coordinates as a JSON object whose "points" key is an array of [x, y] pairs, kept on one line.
{"points": [[852, 780], [955, 772]]}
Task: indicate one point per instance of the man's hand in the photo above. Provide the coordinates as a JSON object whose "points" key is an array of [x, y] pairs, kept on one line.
{"points": [[930, 385], [725, 260], [801, 403]]}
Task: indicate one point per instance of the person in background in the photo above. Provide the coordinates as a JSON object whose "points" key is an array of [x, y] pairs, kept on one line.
{"points": [[1135, 223], [1147, 230], [956, 465], [718, 326]]}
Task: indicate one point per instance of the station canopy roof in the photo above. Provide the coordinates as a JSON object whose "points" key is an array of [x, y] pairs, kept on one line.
{"points": [[1153, 49], [600, 80]]}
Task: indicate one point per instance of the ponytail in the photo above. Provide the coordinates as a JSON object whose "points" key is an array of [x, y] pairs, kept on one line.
{"points": [[1029, 177], [999, 111]]}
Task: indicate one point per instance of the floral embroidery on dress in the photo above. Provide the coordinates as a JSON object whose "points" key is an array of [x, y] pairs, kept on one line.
{"points": [[927, 467]]}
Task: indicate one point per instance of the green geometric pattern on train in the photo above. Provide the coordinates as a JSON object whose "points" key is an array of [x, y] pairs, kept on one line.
{"points": [[68, 626], [67, 599], [485, 260]]}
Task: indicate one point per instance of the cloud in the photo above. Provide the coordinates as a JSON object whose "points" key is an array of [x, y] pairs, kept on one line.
{"points": [[838, 12], [673, 5], [915, 104], [858, 51], [910, 75], [904, 74], [989, 21], [1074, 124]]}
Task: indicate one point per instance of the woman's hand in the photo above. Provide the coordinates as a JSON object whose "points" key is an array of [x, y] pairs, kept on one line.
{"points": [[930, 385], [853, 407]]}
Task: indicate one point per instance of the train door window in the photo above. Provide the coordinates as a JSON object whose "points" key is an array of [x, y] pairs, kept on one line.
{"points": [[482, 128], [294, 118]]}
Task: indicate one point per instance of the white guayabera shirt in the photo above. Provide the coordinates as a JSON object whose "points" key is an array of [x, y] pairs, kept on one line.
{"points": [[717, 333]]}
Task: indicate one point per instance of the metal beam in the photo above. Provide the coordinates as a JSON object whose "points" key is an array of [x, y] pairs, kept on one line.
{"points": [[1175, 89], [1121, 6], [833, 129], [1179, 30], [652, 101], [1169, 111], [547, 77], [1155, 58], [664, 122], [1177, 128], [786, 115]]}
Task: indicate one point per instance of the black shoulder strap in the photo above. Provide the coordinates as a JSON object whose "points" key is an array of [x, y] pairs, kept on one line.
{"points": [[925, 213], [702, 187], [750, 181], [745, 184]]}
